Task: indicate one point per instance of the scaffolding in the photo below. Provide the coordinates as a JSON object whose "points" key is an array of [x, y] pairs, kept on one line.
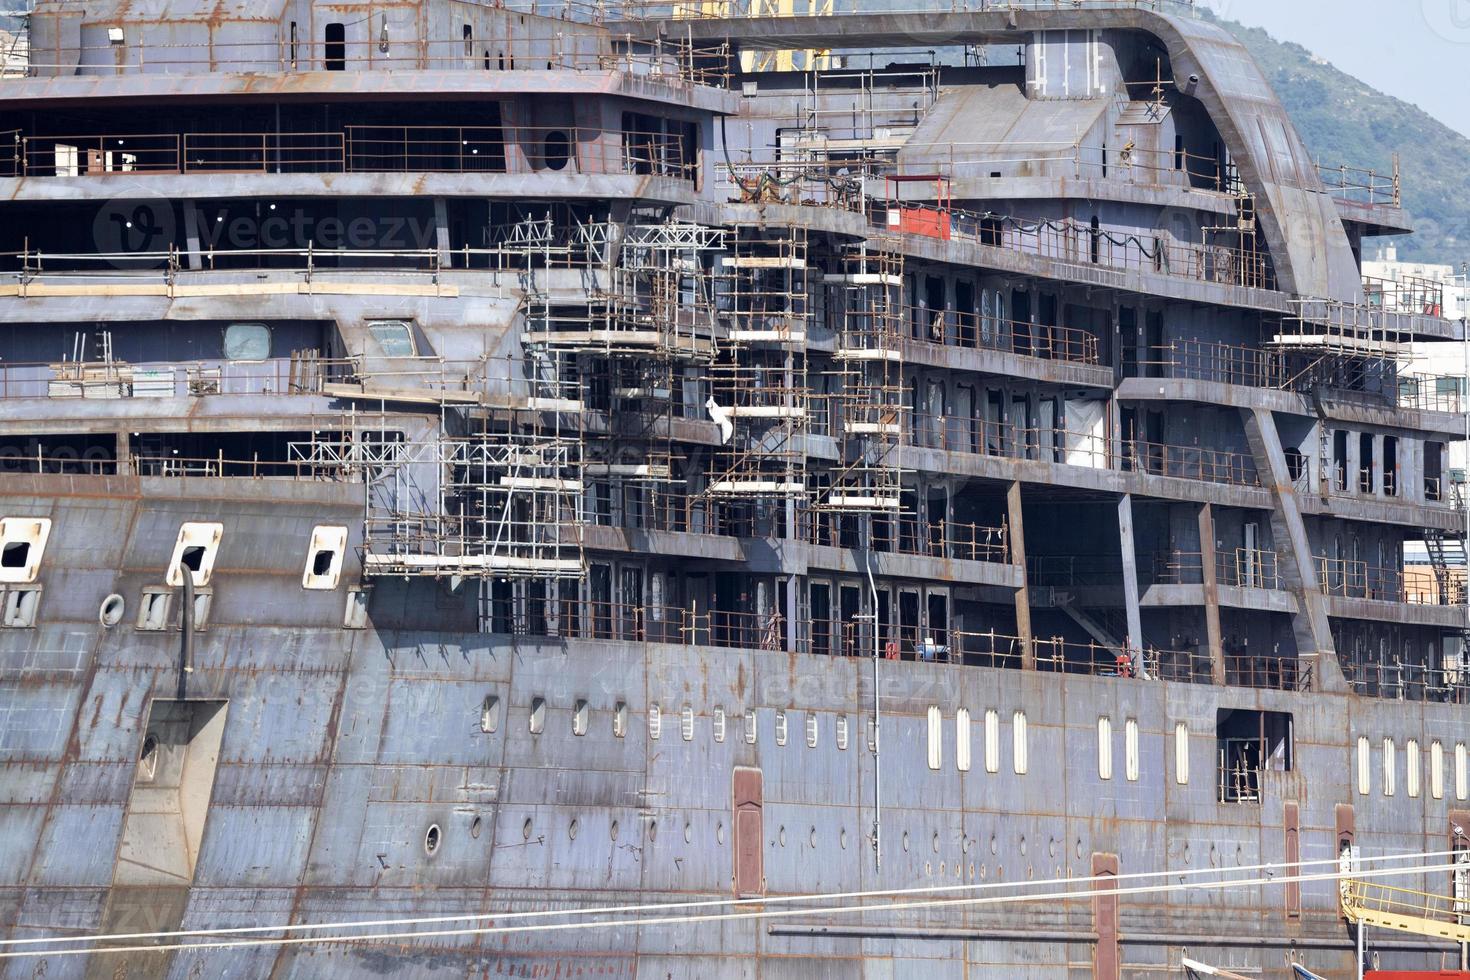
{"points": [[496, 491], [759, 391], [869, 357]]}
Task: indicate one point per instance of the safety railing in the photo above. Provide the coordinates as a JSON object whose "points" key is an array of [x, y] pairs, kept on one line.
{"points": [[362, 149], [1350, 579], [969, 330], [1407, 681], [721, 9], [1408, 294], [169, 379], [1199, 360], [1057, 445], [1075, 243], [905, 534], [1408, 909], [1432, 393], [1355, 185], [1072, 571], [1243, 568], [669, 61]]}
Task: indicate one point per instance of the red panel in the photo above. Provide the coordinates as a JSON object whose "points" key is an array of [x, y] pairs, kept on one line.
{"points": [[1401, 975], [922, 221], [749, 833], [1292, 826], [1106, 961]]}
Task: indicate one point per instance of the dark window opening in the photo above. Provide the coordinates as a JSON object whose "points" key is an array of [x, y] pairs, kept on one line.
{"points": [[16, 555], [1339, 459], [293, 44], [557, 150], [1247, 744], [192, 558], [1365, 463], [335, 51], [321, 562], [1095, 241], [469, 41], [1390, 466]]}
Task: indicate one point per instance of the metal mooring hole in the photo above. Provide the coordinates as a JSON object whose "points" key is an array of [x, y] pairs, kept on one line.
{"points": [[431, 839], [112, 610]]}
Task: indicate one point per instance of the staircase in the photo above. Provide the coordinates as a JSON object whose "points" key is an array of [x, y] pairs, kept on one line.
{"points": [[1445, 917], [1446, 554]]}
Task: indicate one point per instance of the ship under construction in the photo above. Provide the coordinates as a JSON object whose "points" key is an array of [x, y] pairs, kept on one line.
{"points": [[723, 488]]}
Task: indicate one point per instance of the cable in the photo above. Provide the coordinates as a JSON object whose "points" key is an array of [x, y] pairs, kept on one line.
{"points": [[708, 903], [759, 915]]}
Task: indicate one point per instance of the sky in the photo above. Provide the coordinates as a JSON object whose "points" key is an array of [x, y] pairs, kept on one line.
{"points": [[1415, 50]]}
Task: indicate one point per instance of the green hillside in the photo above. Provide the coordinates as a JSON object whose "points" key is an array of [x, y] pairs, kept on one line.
{"points": [[1344, 121]]}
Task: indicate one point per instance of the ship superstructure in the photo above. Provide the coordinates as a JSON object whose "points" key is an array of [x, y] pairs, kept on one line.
{"points": [[469, 459]]}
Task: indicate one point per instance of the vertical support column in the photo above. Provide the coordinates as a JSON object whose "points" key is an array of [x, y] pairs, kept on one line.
{"points": [[1291, 829], [1018, 559], [124, 453], [1130, 578], [1106, 958], [1210, 578], [795, 613], [191, 234], [441, 232]]}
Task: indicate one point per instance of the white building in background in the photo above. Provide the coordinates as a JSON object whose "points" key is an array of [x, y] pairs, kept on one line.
{"points": [[1438, 370]]}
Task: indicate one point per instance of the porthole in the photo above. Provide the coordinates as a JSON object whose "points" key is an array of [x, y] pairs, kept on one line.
{"points": [[1079, 848], [842, 839], [575, 826], [475, 828], [905, 841], [1186, 852], [781, 836], [1023, 846], [994, 847], [719, 833], [1051, 847], [526, 829], [966, 845], [114, 607], [431, 839], [812, 837], [928, 870], [688, 834], [652, 831], [935, 843], [613, 830]]}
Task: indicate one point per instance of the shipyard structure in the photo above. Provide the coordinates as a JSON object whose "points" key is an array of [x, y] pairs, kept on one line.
{"points": [[465, 461]]}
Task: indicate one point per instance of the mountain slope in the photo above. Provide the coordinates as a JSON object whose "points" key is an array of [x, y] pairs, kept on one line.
{"points": [[1343, 121]]}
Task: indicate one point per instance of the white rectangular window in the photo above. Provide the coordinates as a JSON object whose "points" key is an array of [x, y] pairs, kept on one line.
{"points": [[1411, 765], [1390, 767], [1105, 748], [718, 724], [780, 728], [655, 721], [811, 730], [1365, 766], [1130, 749], [842, 733], [992, 741], [936, 738], [1181, 754], [750, 723], [686, 722], [1020, 751], [962, 739], [580, 714], [1436, 770], [1462, 772], [620, 720]]}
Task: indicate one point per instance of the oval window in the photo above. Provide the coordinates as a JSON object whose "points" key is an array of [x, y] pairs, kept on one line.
{"points": [[247, 342]]}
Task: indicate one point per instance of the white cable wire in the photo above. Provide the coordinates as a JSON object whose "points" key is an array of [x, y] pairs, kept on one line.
{"points": [[703, 904], [735, 916]]}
